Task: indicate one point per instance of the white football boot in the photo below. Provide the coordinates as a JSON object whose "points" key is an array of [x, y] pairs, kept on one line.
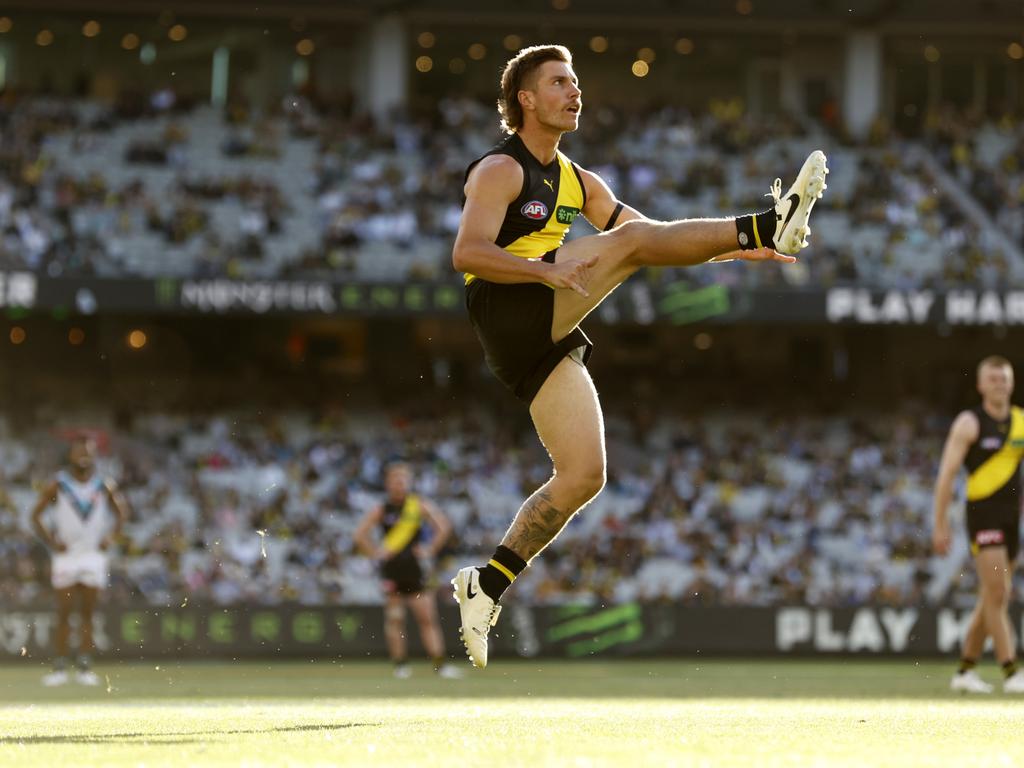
{"points": [[479, 614], [969, 682], [793, 210], [55, 678], [86, 677], [449, 672], [402, 671], [1014, 683]]}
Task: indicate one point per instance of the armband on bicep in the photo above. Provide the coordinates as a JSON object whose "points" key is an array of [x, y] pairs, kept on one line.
{"points": [[614, 217]]}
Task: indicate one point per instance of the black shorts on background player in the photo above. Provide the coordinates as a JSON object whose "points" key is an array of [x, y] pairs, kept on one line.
{"points": [[402, 575]]}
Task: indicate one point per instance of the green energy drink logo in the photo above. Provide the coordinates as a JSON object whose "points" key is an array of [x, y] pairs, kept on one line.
{"points": [[588, 632], [682, 305], [566, 215], [166, 292]]}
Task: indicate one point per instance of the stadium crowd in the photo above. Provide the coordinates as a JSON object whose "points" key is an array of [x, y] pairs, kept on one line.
{"points": [[169, 188], [731, 508]]}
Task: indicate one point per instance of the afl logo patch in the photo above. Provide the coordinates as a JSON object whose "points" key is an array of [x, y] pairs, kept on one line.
{"points": [[535, 210]]}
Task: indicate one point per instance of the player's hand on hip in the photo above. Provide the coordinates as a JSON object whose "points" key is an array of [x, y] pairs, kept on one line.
{"points": [[757, 254], [573, 274], [941, 540]]}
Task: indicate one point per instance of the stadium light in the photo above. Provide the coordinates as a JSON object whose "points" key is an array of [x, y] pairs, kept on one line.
{"points": [[684, 46], [91, 28], [599, 43], [931, 53], [17, 335], [137, 339], [1015, 51], [5, 24], [424, 64], [44, 38], [640, 68], [477, 51], [646, 54], [305, 47], [512, 42], [130, 41], [426, 39], [76, 336], [744, 7], [177, 33]]}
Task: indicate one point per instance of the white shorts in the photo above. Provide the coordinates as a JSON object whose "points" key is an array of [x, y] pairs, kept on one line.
{"points": [[87, 567]]}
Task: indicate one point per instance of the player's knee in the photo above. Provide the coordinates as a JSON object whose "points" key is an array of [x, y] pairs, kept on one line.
{"points": [[995, 593], [586, 481], [630, 237]]}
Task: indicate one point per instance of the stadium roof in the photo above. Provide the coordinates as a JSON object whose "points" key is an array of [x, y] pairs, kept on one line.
{"points": [[964, 16]]}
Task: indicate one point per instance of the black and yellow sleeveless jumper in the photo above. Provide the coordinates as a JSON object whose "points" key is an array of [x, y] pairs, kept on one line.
{"points": [[402, 529], [513, 321], [993, 482]]}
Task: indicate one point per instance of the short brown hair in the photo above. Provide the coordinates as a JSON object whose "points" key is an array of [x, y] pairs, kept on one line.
{"points": [[994, 361], [517, 71]]}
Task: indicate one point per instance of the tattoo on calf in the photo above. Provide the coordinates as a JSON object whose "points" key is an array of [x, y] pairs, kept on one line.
{"points": [[536, 525]]}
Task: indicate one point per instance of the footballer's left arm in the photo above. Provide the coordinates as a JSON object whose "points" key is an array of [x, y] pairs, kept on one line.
{"points": [[602, 208], [120, 505], [441, 525]]}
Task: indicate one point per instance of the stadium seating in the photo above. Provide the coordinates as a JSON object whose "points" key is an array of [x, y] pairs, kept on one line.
{"points": [[811, 510]]}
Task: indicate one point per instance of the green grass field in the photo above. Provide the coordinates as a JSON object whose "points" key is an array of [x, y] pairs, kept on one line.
{"points": [[658, 713]]}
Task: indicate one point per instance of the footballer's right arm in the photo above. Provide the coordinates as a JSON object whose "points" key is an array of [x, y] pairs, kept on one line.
{"points": [[492, 185], [962, 435], [46, 498], [362, 536]]}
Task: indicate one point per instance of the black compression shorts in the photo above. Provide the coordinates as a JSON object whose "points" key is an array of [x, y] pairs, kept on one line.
{"points": [[513, 323]]}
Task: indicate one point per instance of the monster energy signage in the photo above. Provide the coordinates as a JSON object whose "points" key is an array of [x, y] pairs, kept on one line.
{"points": [[627, 629], [639, 301], [582, 631]]}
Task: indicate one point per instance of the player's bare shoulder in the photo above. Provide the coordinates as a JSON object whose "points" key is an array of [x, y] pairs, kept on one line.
{"points": [[495, 174], [965, 428]]}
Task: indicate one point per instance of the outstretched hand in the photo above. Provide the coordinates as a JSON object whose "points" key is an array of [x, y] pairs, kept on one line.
{"points": [[757, 254], [571, 273]]}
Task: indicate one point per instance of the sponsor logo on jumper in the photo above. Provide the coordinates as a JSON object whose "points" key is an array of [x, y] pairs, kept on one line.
{"points": [[565, 214], [535, 210], [549, 184], [991, 444]]}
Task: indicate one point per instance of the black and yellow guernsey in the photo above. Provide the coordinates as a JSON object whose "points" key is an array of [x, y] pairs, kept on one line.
{"points": [[402, 527], [551, 198], [993, 465]]}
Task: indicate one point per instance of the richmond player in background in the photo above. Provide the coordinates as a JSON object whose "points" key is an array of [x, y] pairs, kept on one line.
{"points": [[87, 515], [989, 441], [402, 521]]}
